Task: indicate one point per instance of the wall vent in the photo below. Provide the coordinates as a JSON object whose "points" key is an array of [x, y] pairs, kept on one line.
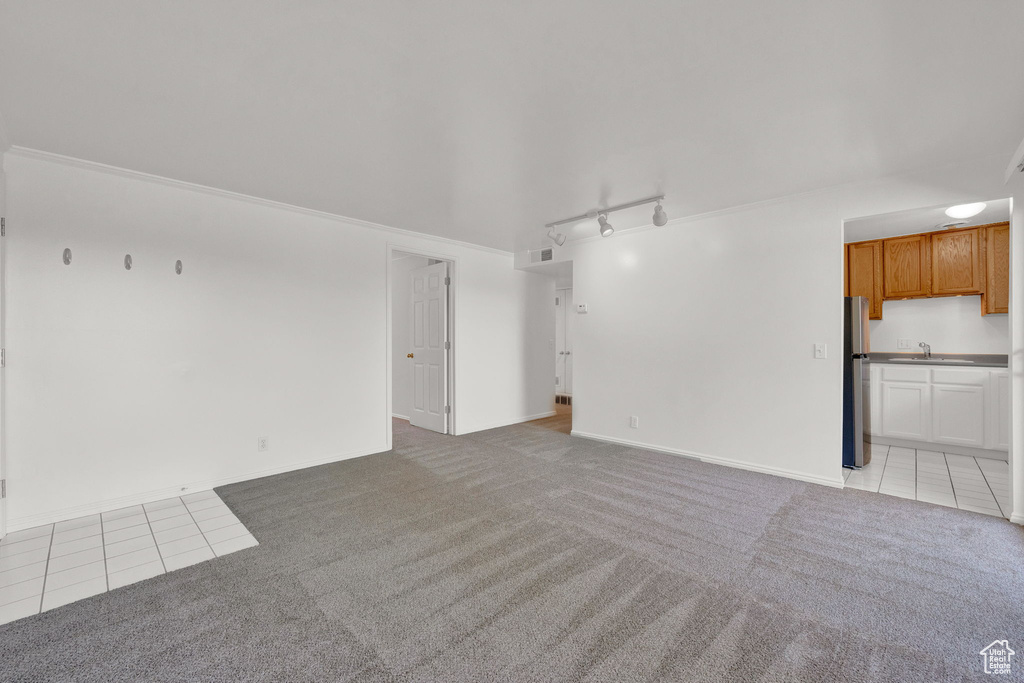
{"points": [[540, 255]]}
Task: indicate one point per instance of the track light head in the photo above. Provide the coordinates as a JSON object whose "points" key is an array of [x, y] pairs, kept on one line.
{"points": [[556, 237], [606, 227], [660, 218]]}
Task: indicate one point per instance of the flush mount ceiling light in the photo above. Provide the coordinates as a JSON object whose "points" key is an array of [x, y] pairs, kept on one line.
{"points": [[965, 210], [659, 218], [556, 237]]}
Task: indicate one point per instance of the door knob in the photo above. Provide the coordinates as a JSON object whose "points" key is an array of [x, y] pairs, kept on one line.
{"points": [[408, 355]]}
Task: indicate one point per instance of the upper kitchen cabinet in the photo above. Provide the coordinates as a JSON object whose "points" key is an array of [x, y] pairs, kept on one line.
{"points": [[864, 274], [996, 298], [906, 266], [958, 265]]}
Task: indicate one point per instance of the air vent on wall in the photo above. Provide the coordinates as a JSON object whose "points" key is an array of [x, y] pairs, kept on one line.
{"points": [[539, 255]]}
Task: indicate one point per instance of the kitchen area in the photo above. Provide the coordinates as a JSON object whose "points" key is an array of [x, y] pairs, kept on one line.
{"points": [[926, 384]]}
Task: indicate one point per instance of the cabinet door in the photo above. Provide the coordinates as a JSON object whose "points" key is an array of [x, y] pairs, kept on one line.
{"points": [[996, 298], [905, 410], [999, 422], [906, 267], [958, 414], [864, 274], [957, 264]]}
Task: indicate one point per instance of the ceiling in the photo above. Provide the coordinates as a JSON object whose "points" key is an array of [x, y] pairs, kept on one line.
{"points": [[919, 220], [481, 120]]}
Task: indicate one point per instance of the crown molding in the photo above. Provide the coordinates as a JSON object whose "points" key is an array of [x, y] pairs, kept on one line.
{"points": [[84, 164]]}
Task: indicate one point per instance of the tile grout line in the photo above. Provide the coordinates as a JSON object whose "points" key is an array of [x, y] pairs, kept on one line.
{"points": [[103, 544], [950, 475], [153, 536], [46, 572], [201, 532], [984, 478]]}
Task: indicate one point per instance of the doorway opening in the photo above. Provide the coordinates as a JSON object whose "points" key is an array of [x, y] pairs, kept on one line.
{"points": [[421, 306], [926, 379]]}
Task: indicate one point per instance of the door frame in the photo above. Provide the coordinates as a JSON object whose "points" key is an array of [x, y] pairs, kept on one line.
{"points": [[453, 298]]}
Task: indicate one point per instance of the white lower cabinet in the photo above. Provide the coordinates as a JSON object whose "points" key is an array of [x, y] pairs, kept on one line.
{"points": [[958, 415], [958, 406]]}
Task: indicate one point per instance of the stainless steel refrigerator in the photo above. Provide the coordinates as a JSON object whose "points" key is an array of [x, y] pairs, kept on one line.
{"points": [[855, 380]]}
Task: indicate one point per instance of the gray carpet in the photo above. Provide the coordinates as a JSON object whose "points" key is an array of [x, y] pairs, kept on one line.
{"points": [[524, 554]]}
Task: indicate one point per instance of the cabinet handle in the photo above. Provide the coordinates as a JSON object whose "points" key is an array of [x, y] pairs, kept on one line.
{"points": [[408, 355]]}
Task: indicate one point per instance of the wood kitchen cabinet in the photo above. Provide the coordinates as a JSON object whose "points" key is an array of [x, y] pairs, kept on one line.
{"points": [[906, 267], [864, 274], [996, 298], [958, 264]]}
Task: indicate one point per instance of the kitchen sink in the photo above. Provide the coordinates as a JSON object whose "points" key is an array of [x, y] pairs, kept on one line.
{"points": [[928, 360]]}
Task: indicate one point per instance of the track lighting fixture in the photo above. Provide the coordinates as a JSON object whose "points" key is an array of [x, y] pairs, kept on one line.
{"points": [[556, 237], [659, 218]]}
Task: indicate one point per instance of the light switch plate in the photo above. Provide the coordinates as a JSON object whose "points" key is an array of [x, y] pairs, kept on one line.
{"points": [[904, 344], [821, 351]]}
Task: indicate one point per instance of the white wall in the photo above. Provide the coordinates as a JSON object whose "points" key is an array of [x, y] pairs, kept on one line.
{"points": [[401, 303], [705, 328], [128, 386], [952, 324]]}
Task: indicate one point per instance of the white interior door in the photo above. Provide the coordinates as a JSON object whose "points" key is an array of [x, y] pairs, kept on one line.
{"points": [[429, 358], [568, 311], [560, 341]]}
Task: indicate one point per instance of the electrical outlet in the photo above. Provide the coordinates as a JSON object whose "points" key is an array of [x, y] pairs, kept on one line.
{"points": [[634, 422], [581, 308], [261, 443], [904, 344], [821, 351]]}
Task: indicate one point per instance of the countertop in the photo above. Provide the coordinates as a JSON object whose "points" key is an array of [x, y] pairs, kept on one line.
{"points": [[973, 360]]}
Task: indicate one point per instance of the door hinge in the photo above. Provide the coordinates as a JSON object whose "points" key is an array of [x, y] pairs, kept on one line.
{"points": [[447, 345], [3, 226], [447, 280], [3, 358], [3, 488], [447, 409]]}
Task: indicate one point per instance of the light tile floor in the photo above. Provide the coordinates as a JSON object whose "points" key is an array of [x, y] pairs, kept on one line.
{"points": [[957, 481], [52, 565]]}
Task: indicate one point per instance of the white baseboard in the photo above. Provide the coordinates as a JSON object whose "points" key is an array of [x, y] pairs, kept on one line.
{"points": [[941, 447], [518, 420], [106, 505], [400, 417], [1017, 519], [715, 460]]}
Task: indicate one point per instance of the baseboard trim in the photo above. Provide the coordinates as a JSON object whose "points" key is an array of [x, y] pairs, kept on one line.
{"points": [[400, 417], [715, 460], [519, 420], [29, 521], [941, 448], [1017, 519]]}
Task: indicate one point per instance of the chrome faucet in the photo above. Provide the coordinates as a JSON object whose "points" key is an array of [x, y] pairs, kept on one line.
{"points": [[927, 349]]}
